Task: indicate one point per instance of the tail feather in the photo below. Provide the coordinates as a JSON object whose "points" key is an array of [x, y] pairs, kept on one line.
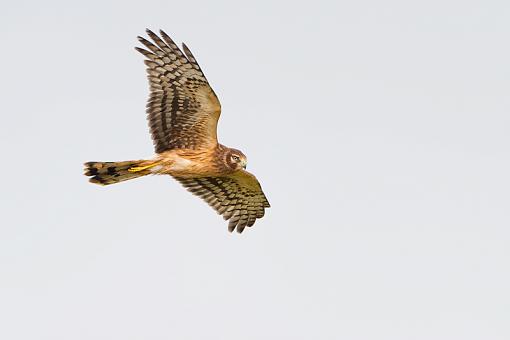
{"points": [[105, 173]]}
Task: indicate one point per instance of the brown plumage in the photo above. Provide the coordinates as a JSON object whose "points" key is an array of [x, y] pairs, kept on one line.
{"points": [[183, 113]]}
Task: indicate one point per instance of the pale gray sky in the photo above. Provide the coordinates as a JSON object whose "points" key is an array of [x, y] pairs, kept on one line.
{"points": [[378, 129]]}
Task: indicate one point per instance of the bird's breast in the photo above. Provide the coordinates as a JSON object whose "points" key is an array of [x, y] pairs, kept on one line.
{"points": [[188, 164], [180, 164]]}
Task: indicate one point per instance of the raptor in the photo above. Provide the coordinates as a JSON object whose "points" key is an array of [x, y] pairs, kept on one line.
{"points": [[183, 113]]}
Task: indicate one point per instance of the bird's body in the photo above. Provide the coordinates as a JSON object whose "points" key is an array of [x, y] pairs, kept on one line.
{"points": [[191, 163], [187, 163], [183, 113]]}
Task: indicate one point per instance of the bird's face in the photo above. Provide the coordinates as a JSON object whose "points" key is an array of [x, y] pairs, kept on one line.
{"points": [[236, 160]]}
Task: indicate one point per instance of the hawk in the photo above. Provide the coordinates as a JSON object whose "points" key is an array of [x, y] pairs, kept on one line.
{"points": [[183, 113]]}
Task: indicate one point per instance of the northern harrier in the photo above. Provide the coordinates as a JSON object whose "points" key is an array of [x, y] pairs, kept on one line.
{"points": [[183, 113]]}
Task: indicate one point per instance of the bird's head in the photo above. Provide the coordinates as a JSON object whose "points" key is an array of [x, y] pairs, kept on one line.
{"points": [[235, 159]]}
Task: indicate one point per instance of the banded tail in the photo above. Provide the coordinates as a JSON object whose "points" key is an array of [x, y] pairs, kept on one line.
{"points": [[105, 173]]}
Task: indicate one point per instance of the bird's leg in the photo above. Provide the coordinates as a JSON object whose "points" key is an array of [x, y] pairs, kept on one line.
{"points": [[141, 168]]}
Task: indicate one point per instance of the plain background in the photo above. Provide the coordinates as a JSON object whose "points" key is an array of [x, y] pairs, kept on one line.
{"points": [[378, 129]]}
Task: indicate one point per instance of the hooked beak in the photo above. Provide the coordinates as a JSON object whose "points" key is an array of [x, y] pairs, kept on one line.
{"points": [[244, 163]]}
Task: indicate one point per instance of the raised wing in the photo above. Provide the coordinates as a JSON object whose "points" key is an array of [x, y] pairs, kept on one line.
{"points": [[237, 197], [183, 110]]}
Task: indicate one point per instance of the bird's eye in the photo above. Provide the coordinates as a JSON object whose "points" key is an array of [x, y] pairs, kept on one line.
{"points": [[235, 158]]}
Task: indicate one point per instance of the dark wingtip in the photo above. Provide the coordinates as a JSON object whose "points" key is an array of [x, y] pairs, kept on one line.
{"points": [[166, 37], [151, 34]]}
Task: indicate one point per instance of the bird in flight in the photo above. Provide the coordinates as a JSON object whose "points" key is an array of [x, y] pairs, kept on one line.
{"points": [[183, 113]]}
